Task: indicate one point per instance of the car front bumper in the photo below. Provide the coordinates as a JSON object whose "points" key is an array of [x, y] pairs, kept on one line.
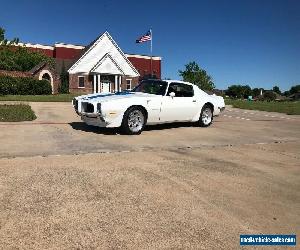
{"points": [[95, 120]]}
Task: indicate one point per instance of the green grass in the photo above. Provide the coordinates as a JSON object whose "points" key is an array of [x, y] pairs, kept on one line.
{"points": [[16, 113], [290, 108], [39, 98]]}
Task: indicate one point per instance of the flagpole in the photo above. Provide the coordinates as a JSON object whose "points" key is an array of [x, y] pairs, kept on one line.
{"points": [[151, 52]]}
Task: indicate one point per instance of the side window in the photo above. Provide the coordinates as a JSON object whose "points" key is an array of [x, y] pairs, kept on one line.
{"points": [[181, 89], [81, 81]]}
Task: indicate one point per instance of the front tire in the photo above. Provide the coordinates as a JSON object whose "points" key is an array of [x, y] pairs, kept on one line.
{"points": [[206, 116], [134, 121]]}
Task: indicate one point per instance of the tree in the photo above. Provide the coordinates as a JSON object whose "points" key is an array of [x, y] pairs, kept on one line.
{"points": [[64, 80], [194, 74], [269, 96], [295, 89], [17, 57], [239, 91], [4, 41], [276, 89], [256, 92]]}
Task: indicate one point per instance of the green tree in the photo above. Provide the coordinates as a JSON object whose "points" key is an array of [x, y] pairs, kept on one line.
{"points": [[2, 33], [276, 89], [4, 41], [295, 89], [194, 74], [256, 92], [17, 57], [269, 96], [239, 91], [64, 80]]}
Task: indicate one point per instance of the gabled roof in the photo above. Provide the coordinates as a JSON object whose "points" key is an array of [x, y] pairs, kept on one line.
{"points": [[107, 65], [37, 67], [103, 49]]}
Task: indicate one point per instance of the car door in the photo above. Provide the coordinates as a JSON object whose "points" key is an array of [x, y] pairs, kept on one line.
{"points": [[181, 107]]}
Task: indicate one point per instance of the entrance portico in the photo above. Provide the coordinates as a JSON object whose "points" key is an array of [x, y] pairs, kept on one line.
{"points": [[105, 65], [103, 83]]}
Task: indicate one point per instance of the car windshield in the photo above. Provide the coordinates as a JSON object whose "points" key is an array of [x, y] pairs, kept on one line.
{"points": [[152, 87]]}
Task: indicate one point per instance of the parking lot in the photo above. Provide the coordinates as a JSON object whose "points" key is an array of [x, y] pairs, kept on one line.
{"points": [[66, 185]]}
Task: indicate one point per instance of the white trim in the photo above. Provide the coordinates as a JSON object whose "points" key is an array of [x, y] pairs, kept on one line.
{"points": [[69, 46], [83, 82], [99, 83], [36, 46], [95, 83], [116, 83], [130, 83], [157, 58], [120, 83], [51, 78]]}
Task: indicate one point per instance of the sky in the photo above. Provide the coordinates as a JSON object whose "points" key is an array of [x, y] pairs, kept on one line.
{"points": [[254, 42]]}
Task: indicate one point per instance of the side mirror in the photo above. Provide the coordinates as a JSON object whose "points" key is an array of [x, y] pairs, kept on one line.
{"points": [[172, 94]]}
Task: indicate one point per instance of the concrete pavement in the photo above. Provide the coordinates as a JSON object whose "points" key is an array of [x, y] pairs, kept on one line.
{"points": [[65, 185]]}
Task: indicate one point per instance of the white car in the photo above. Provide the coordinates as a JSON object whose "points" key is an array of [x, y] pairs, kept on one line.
{"points": [[150, 102]]}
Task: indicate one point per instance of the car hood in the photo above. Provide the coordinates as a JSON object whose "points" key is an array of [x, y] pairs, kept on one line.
{"points": [[114, 96]]}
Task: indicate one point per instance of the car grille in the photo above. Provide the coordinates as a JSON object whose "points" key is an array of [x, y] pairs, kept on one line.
{"points": [[87, 107]]}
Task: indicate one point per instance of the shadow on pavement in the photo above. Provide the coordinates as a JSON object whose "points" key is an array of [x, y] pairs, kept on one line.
{"points": [[113, 131]]}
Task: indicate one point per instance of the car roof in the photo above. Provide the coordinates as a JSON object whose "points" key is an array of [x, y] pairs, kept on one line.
{"points": [[170, 81]]}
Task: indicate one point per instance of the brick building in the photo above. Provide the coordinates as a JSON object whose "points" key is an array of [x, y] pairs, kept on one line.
{"points": [[98, 67]]}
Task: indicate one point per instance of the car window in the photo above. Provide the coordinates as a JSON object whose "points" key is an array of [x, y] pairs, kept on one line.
{"points": [[151, 87], [181, 89]]}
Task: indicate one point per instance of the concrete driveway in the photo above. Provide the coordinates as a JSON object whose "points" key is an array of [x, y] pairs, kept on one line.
{"points": [[174, 186], [58, 131]]}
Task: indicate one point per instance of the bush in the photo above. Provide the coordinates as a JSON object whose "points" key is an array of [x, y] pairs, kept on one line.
{"points": [[269, 96], [24, 86]]}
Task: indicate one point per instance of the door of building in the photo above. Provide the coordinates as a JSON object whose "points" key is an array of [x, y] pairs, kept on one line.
{"points": [[105, 87]]}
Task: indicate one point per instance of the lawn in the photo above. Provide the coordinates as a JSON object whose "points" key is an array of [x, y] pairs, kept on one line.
{"points": [[16, 113], [290, 108], [39, 98]]}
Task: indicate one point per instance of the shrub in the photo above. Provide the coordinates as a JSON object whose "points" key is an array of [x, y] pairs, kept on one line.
{"points": [[269, 96], [24, 86]]}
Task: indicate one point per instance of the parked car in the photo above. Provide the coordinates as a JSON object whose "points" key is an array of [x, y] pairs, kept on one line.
{"points": [[150, 102]]}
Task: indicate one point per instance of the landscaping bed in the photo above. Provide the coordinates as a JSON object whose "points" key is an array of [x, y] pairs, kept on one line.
{"points": [[16, 113]]}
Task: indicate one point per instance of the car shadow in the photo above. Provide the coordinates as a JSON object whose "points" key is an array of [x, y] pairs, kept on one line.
{"points": [[93, 129], [113, 131]]}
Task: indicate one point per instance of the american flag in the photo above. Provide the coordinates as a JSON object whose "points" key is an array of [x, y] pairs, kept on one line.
{"points": [[144, 38]]}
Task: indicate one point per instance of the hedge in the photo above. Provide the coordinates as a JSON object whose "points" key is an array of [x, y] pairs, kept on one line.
{"points": [[24, 86]]}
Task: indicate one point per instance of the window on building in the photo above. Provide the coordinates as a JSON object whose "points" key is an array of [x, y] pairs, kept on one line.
{"points": [[181, 89], [81, 81], [128, 83]]}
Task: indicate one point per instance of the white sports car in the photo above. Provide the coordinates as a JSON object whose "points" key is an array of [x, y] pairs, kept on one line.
{"points": [[150, 102]]}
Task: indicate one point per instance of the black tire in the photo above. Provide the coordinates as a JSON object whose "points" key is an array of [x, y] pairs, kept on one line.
{"points": [[206, 116], [137, 123]]}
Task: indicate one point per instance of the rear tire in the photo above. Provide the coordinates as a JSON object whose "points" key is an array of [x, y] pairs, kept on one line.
{"points": [[206, 116], [134, 121]]}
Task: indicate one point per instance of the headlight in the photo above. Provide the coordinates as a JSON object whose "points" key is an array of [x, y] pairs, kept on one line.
{"points": [[99, 108]]}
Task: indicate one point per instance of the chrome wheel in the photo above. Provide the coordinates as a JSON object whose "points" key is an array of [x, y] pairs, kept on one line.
{"points": [[206, 116], [136, 121]]}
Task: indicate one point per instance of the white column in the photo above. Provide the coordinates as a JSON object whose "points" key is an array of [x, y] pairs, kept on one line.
{"points": [[120, 82], [116, 83], [99, 83], [94, 83]]}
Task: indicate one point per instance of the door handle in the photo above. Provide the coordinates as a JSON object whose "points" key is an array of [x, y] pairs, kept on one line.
{"points": [[194, 100]]}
